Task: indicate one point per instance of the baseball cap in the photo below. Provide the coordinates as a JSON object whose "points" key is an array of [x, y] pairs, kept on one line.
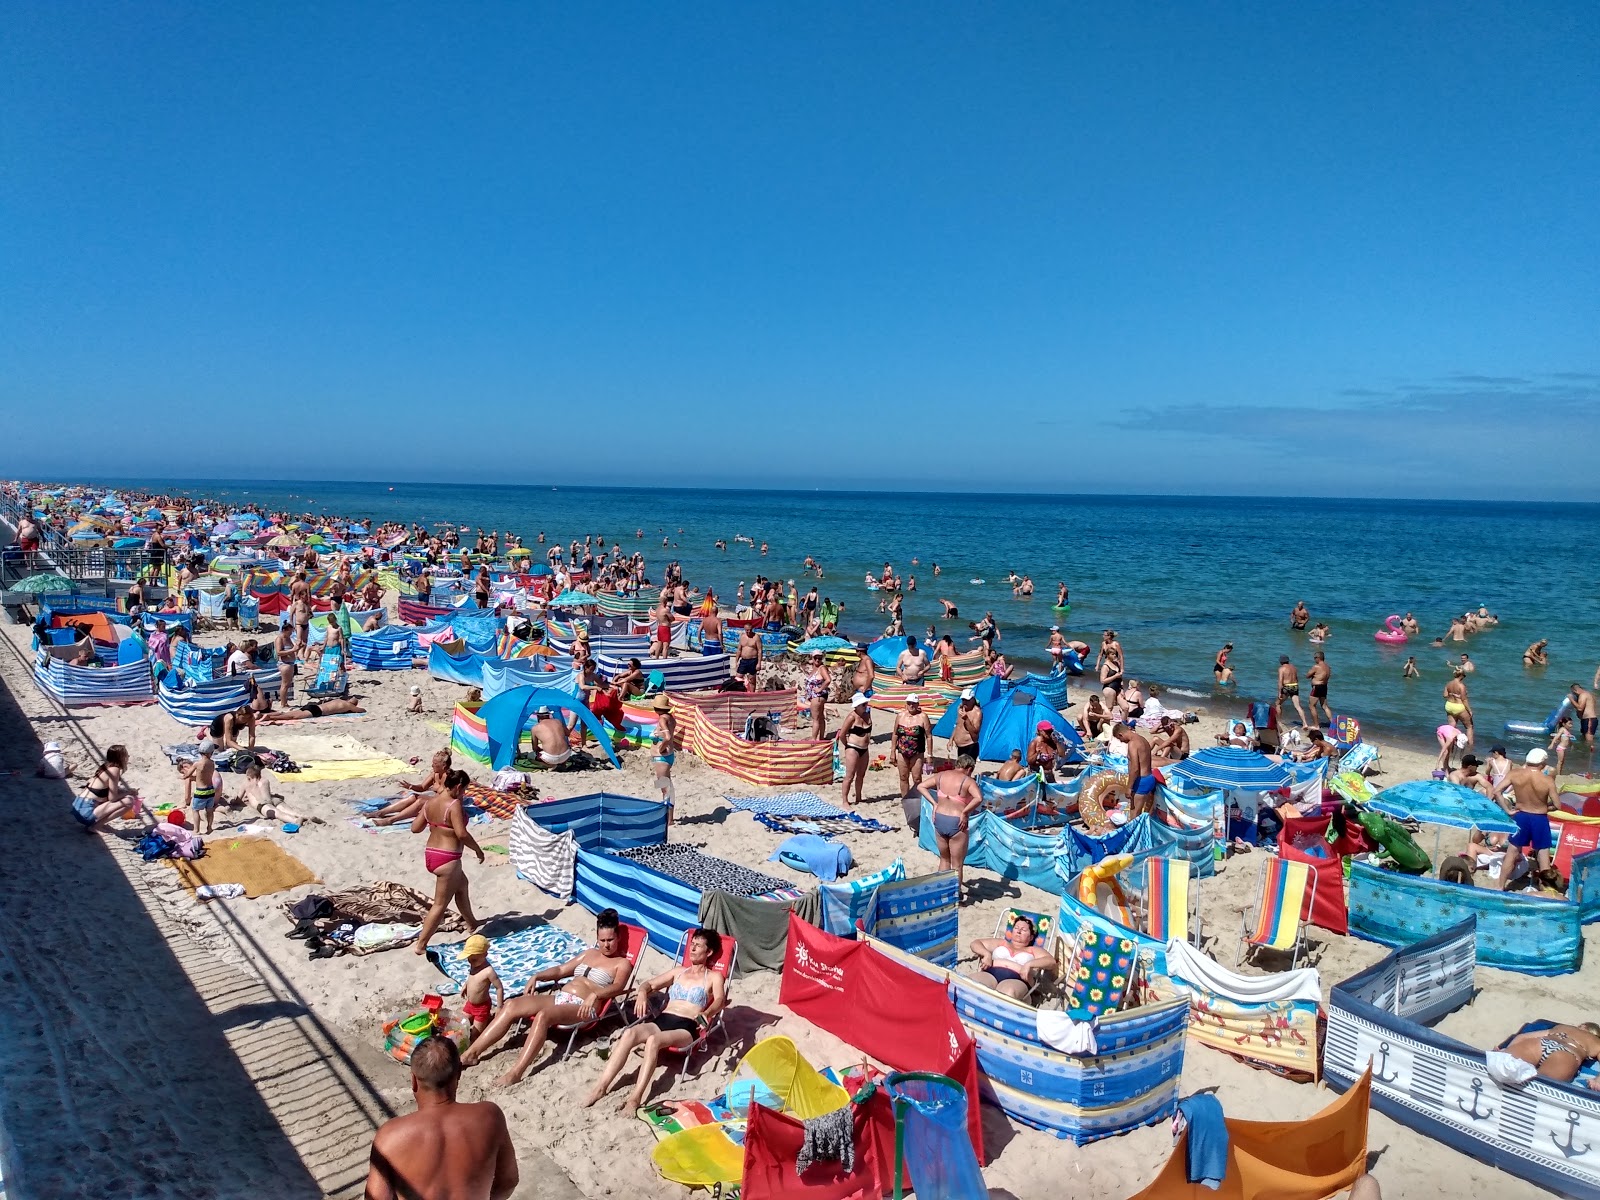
{"points": [[207, 746], [858, 700], [968, 694], [476, 944], [914, 698], [1536, 757]]}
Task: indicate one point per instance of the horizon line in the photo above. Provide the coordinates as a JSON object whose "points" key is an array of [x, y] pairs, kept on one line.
{"points": [[238, 484]]}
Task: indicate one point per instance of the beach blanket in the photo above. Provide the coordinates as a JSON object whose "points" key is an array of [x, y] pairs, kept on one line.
{"points": [[702, 872], [367, 825], [262, 866], [351, 768], [789, 804], [827, 826], [544, 858], [324, 745], [516, 957], [502, 806], [761, 926], [388, 903]]}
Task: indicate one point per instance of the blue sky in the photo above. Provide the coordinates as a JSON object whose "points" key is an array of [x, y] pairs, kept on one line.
{"points": [[1309, 249]]}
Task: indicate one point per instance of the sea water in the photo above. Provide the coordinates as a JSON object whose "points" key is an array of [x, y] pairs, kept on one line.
{"points": [[1176, 577]]}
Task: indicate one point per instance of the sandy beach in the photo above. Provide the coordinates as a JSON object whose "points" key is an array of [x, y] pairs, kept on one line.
{"points": [[145, 1010]]}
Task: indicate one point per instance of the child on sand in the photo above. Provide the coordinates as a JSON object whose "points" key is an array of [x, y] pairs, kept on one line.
{"points": [[416, 700], [257, 791], [200, 787], [476, 1006]]}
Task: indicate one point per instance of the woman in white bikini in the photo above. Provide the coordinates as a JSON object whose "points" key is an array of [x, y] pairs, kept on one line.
{"points": [[1008, 964], [587, 983]]}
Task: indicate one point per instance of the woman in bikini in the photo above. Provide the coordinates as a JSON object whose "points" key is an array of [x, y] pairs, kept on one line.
{"points": [[106, 796], [666, 749], [954, 797], [283, 651], [446, 824], [1008, 964], [695, 994], [912, 733], [1559, 1052], [813, 697], [1220, 670], [588, 983], [1044, 750], [855, 736]]}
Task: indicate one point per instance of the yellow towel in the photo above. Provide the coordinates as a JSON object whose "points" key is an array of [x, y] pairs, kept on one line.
{"points": [[350, 768], [263, 866]]}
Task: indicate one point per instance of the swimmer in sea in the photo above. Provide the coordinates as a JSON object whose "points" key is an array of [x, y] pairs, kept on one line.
{"points": [[1409, 624], [1535, 656], [1409, 671], [1301, 615]]}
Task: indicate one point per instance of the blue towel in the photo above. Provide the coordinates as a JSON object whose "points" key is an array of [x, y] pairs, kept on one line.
{"points": [[824, 859], [1207, 1159]]}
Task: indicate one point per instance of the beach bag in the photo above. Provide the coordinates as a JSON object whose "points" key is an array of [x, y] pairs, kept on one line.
{"points": [[153, 846]]}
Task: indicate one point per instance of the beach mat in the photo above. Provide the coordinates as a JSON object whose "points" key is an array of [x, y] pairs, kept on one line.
{"points": [[335, 770], [516, 957], [789, 804], [263, 866]]}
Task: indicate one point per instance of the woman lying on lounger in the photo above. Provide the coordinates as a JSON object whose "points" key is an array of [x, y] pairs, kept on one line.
{"points": [[695, 994], [594, 977], [1009, 964], [305, 712]]}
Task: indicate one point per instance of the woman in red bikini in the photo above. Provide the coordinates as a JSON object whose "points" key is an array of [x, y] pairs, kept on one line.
{"points": [[446, 824]]}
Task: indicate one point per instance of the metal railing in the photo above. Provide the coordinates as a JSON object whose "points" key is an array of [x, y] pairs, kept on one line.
{"points": [[92, 568]]}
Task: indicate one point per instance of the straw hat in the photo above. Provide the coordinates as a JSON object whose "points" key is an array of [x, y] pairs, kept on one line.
{"points": [[661, 703]]}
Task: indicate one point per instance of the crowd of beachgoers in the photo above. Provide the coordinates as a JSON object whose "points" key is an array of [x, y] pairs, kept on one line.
{"points": [[345, 577]]}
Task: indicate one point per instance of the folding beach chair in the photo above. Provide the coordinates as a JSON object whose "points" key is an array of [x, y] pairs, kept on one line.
{"points": [[724, 967], [1171, 902], [635, 941], [1044, 937], [1274, 922]]}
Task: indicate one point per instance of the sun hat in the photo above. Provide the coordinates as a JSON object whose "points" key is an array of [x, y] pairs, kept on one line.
{"points": [[476, 944], [914, 698], [1536, 757], [968, 694], [416, 690], [858, 700], [661, 703]]}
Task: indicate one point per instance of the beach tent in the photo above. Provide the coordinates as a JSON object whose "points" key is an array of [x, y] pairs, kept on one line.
{"points": [[1010, 721], [506, 716]]}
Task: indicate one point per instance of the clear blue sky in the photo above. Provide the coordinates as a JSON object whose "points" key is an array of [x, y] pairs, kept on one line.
{"points": [[1261, 248]]}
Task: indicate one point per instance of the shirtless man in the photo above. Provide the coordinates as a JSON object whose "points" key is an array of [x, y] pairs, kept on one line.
{"points": [[1171, 742], [333, 707], [551, 739], [711, 627], [1300, 616], [1465, 667], [969, 724], [912, 665], [445, 1150], [1583, 705], [1319, 675], [1289, 686], [951, 612], [1534, 795], [1141, 769], [749, 661], [1535, 656], [300, 612], [1410, 625], [1012, 769]]}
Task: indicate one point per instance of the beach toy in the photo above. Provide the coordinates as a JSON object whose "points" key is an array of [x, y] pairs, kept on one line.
{"points": [[976, 581], [402, 1032], [1092, 800], [1061, 608], [1543, 728], [1392, 633], [1396, 844], [1099, 889]]}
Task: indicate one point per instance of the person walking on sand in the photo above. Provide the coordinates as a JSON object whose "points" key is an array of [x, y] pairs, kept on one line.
{"points": [[1319, 674], [446, 823], [955, 797], [445, 1150], [1289, 686]]}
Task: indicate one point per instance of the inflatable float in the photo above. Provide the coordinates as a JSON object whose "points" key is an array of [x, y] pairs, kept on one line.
{"points": [[1544, 728], [1396, 844], [1392, 632], [1061, 608]]}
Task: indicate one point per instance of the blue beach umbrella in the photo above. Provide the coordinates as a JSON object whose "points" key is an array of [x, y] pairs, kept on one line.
{"points": [[574, 600], [1440, 802], [826, 645], [1233, 769]]}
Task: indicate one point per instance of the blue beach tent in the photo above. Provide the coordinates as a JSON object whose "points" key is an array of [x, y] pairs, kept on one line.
{"points": [[506, 716]]}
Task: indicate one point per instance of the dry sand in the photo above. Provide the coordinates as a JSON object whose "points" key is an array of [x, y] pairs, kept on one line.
{"points": [[164, 1047]]}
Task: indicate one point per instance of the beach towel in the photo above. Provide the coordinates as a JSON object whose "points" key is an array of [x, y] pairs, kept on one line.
{"points": [[843, 904], [502, 806], [331, 680], [262, 866], [827, 826], [367, 825], [1100, 971], [322, 745], [702, 872], [516, 957], [807, 851], [545, 859], [388, 903], [790, 804], [760, 926], [335, 770]]}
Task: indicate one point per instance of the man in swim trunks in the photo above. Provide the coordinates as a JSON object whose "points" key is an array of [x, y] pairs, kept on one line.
{"points": [[1583, 703], [1289, 686], [749, 660], [1300, 616], [1320, 673], [1141, 769], [333, 707], [551, 739], [445, 1148], [711, 626], [1534, 795], [969, 723], [912, 665]]}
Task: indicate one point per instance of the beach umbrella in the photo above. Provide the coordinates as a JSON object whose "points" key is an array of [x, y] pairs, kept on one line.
{"points": [[573, 600], [240, 535], [1440, 802], [284, 542], [316, 539], [222, 527], [826, 644], [43, 583], [1233, 769]]}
